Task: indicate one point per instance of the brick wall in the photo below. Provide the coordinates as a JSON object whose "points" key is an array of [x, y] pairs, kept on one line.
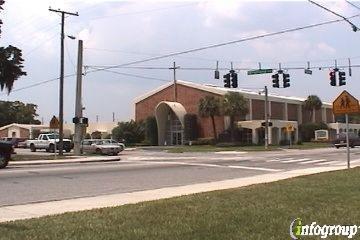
{"points": [[318, 116], [24, 133], [329, 115], [3, 133], [258, 109], [292, 112], [189, 98], [277, 110]]}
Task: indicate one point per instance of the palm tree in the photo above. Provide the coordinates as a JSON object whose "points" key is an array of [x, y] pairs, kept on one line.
{"points": [[234, 104], [210, 106], [312, 103]]}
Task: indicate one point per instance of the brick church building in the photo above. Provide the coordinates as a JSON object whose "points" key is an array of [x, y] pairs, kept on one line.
{"points": [[169, 103]]}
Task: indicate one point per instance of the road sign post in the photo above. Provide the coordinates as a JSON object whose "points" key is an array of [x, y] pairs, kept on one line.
{"points": [[54, 124], [347, 141], [346, 104]]}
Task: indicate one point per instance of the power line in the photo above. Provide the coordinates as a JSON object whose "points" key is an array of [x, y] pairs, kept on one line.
{"points": [[224, 44], [344, 18], [137, 76], [38, 84], [355, 6]]}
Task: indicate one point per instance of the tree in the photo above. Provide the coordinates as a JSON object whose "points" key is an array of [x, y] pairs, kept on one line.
{"points": [[234, 104], [190, 127], [17, 112], [151, 132], [210, 106], [132, 132], [10, 64], [312, 103]]}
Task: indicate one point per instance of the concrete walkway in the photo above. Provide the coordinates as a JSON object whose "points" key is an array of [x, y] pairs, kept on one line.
{"points": [[71, 160], [34, 210]]}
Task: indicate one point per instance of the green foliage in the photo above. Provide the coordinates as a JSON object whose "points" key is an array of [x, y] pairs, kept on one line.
{"points": [[96, 135], [151, 130], [234, 104], [131, 131], [11, 64], [210, 106], [17, 112], [190, 127], [204, 141], [312, 102], [87, 136], [307, 130]]}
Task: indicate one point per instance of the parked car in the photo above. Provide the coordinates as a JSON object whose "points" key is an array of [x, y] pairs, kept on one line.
{"points": [[340, 141], [16, 142], [101, 146], [6, 149], [48, 142]]}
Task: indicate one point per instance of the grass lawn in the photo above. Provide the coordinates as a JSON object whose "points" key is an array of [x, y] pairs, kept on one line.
{"points": [[16, 157], [210, 148], [261, 212]]}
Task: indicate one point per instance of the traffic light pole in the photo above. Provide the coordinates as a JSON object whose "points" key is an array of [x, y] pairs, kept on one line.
{"points": [[78, 105], [266, 119]]}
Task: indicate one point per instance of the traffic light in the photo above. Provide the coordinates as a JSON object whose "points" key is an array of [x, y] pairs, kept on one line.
{"points": [[286, 80], [342, 79], [217, 74], [275, 80], [76, 120], [234, 79], [227, 80], [332, 75]]}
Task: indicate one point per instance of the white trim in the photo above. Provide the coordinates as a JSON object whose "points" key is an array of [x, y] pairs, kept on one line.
{"points": [[222, 91]]}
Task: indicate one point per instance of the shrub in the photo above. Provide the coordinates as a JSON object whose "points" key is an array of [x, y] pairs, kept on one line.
{"points": [[190, 127], [132, 132], [307, 130], [151, 131], [204, 141]]}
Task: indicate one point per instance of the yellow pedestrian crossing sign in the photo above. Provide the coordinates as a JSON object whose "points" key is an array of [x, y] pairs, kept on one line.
{"points": [[345, 103]]}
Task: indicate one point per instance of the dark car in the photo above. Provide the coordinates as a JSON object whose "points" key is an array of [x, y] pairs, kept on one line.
{"points": [[16, 142], [340, 141], [6, 149]]}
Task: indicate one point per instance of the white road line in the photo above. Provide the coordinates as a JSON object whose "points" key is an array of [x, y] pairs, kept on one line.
{"points": [[314, 161], [217, 166], [279, 159], [330, 163], [230, 152]]}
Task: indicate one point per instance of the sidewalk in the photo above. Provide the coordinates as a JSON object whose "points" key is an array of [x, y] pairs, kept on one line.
{"points": [[34, 210], [72, 160]]}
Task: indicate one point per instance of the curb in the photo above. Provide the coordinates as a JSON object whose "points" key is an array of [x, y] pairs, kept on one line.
{"points": [[83, 160]]}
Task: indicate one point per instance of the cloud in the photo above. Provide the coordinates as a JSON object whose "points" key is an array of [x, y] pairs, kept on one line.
{"points": [[216, 12], [325, 48]]}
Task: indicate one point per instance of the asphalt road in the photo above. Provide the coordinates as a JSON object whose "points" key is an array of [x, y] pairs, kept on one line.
{"points": [[144, 170]]}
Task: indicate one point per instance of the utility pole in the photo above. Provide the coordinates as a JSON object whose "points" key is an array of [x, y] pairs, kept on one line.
{"points": [[175, 85], [266, 119], [78, 105], [113, 117], [61, 88]]}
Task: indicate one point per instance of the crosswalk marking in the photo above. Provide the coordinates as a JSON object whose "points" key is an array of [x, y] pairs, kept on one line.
{"points": [[297, 160], [256, 168], [314, 161]]}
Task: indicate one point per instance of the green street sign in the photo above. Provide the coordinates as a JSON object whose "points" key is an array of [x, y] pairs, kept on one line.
{"points": [[259, 71]]}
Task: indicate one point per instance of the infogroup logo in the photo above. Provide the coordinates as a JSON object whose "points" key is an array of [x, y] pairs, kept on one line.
{"points": [[298, 230]]}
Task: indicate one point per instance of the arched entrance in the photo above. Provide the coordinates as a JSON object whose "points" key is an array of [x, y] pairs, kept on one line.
{"points": [[170, 122]]}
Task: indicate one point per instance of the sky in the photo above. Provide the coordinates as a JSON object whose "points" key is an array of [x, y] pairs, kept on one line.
{"points": [[120, 32]]}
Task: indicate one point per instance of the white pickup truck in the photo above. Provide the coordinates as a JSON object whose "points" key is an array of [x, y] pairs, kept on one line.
{"points": [[48, 142]]}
